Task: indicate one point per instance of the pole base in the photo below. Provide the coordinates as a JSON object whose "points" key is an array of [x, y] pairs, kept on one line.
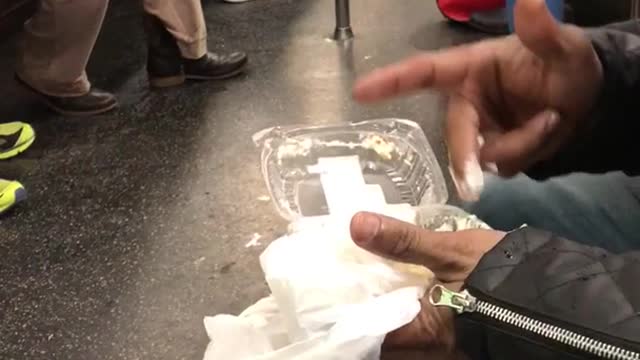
{"points": [[341, 34]]}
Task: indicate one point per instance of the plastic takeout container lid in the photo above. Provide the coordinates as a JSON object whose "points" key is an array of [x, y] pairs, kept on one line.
{"points": [[317, 170]]}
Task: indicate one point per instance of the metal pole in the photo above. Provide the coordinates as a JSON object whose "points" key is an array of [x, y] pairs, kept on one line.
{"points": [[343, 21]]}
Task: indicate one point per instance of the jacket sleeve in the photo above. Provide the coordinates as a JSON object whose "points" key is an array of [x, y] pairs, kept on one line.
{"points": [[561, 287], [615, 120]]}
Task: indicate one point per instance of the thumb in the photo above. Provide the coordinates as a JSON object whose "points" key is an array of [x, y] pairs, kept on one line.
{"points": [[391, 238], [538, 30], [449, 255], [519, 148]]}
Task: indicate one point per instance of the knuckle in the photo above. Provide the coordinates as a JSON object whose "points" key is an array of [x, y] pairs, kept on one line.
{"points": [[406, 242]]}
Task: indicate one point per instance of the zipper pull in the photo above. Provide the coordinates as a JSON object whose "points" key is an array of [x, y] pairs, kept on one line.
{"points": [[459, 301]]}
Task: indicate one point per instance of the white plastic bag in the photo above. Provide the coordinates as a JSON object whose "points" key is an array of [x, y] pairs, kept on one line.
{"points": [[329, 300], [358, 335]]}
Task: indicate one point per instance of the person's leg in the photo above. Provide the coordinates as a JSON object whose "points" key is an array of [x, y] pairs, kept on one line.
{"points": [[184, 21], [597, 210], [57, 43]]}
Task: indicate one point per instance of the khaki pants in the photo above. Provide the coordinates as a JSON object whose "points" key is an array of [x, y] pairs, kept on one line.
{"points": [[59, 39]]}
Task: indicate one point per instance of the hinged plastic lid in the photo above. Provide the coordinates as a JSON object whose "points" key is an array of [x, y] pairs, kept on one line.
{"points": [[317, 170]]}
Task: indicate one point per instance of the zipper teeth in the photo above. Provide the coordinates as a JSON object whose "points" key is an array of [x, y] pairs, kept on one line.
{"points": [[570, 338]]}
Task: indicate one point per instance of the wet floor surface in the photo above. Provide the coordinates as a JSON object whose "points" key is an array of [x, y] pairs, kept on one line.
{"points": [[137, 221]]}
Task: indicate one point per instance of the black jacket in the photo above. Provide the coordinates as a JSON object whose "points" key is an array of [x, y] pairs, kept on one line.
{"points": [[538, 296], [605, 146], [543, 297]]}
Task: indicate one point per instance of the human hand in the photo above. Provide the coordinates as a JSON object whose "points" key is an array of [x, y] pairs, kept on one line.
{"points": [[526, 94], [450, 255]]}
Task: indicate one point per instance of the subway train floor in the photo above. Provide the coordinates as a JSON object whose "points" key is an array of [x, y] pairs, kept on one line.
{"points": [[136, 222]]}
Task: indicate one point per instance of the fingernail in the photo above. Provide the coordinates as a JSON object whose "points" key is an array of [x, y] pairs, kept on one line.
{"points": [[473, 179], [456, 181], [480, 140], [366, 227], [470, 185], [491, 167], [552, 120]]}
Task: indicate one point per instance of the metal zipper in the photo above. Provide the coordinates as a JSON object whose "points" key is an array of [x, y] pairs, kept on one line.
{"points": [[463, 302]]}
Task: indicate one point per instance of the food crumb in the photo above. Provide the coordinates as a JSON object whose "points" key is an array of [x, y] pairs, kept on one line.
{"points": [[255, 241]]}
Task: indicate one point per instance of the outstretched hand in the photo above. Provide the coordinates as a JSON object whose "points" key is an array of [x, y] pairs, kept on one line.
{"points": [[526, 95]]}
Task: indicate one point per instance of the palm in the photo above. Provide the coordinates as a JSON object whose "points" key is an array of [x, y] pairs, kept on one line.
{"points": [[432, 329], [517, 84], [508, 85]]}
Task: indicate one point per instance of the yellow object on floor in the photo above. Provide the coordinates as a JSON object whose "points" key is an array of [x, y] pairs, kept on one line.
{"points": [[11, 193], [15, 137]]}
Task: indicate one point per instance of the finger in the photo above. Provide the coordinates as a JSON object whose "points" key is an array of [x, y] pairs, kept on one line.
{"points": [[389, 238], [517, 149], [486, 166], [539, 31], [432, 70], [462, 129], [397, 240], [451, 256]]}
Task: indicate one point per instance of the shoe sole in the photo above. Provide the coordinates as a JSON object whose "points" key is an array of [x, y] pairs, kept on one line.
{"points": [[20, 195], [170, 81], [16, 150], [78, 113], [228, 75], [61, 111]]}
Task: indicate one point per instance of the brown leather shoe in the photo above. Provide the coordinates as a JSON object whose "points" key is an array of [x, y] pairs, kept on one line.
{"points": [[164, 72], [215, 66], [92, 103], [166, 67]]}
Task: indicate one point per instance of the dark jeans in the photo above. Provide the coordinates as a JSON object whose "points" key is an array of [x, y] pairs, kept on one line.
{"points": [[597, 210]]}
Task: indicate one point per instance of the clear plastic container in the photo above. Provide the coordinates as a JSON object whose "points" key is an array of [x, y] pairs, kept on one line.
{"points": [[394, 155], [447, 218]]}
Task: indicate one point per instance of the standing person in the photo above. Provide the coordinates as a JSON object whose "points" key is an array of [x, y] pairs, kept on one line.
{"points": [[60, 37]]}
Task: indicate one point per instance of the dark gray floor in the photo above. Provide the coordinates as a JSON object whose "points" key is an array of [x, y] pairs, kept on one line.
{"points": [[137, 221]]}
